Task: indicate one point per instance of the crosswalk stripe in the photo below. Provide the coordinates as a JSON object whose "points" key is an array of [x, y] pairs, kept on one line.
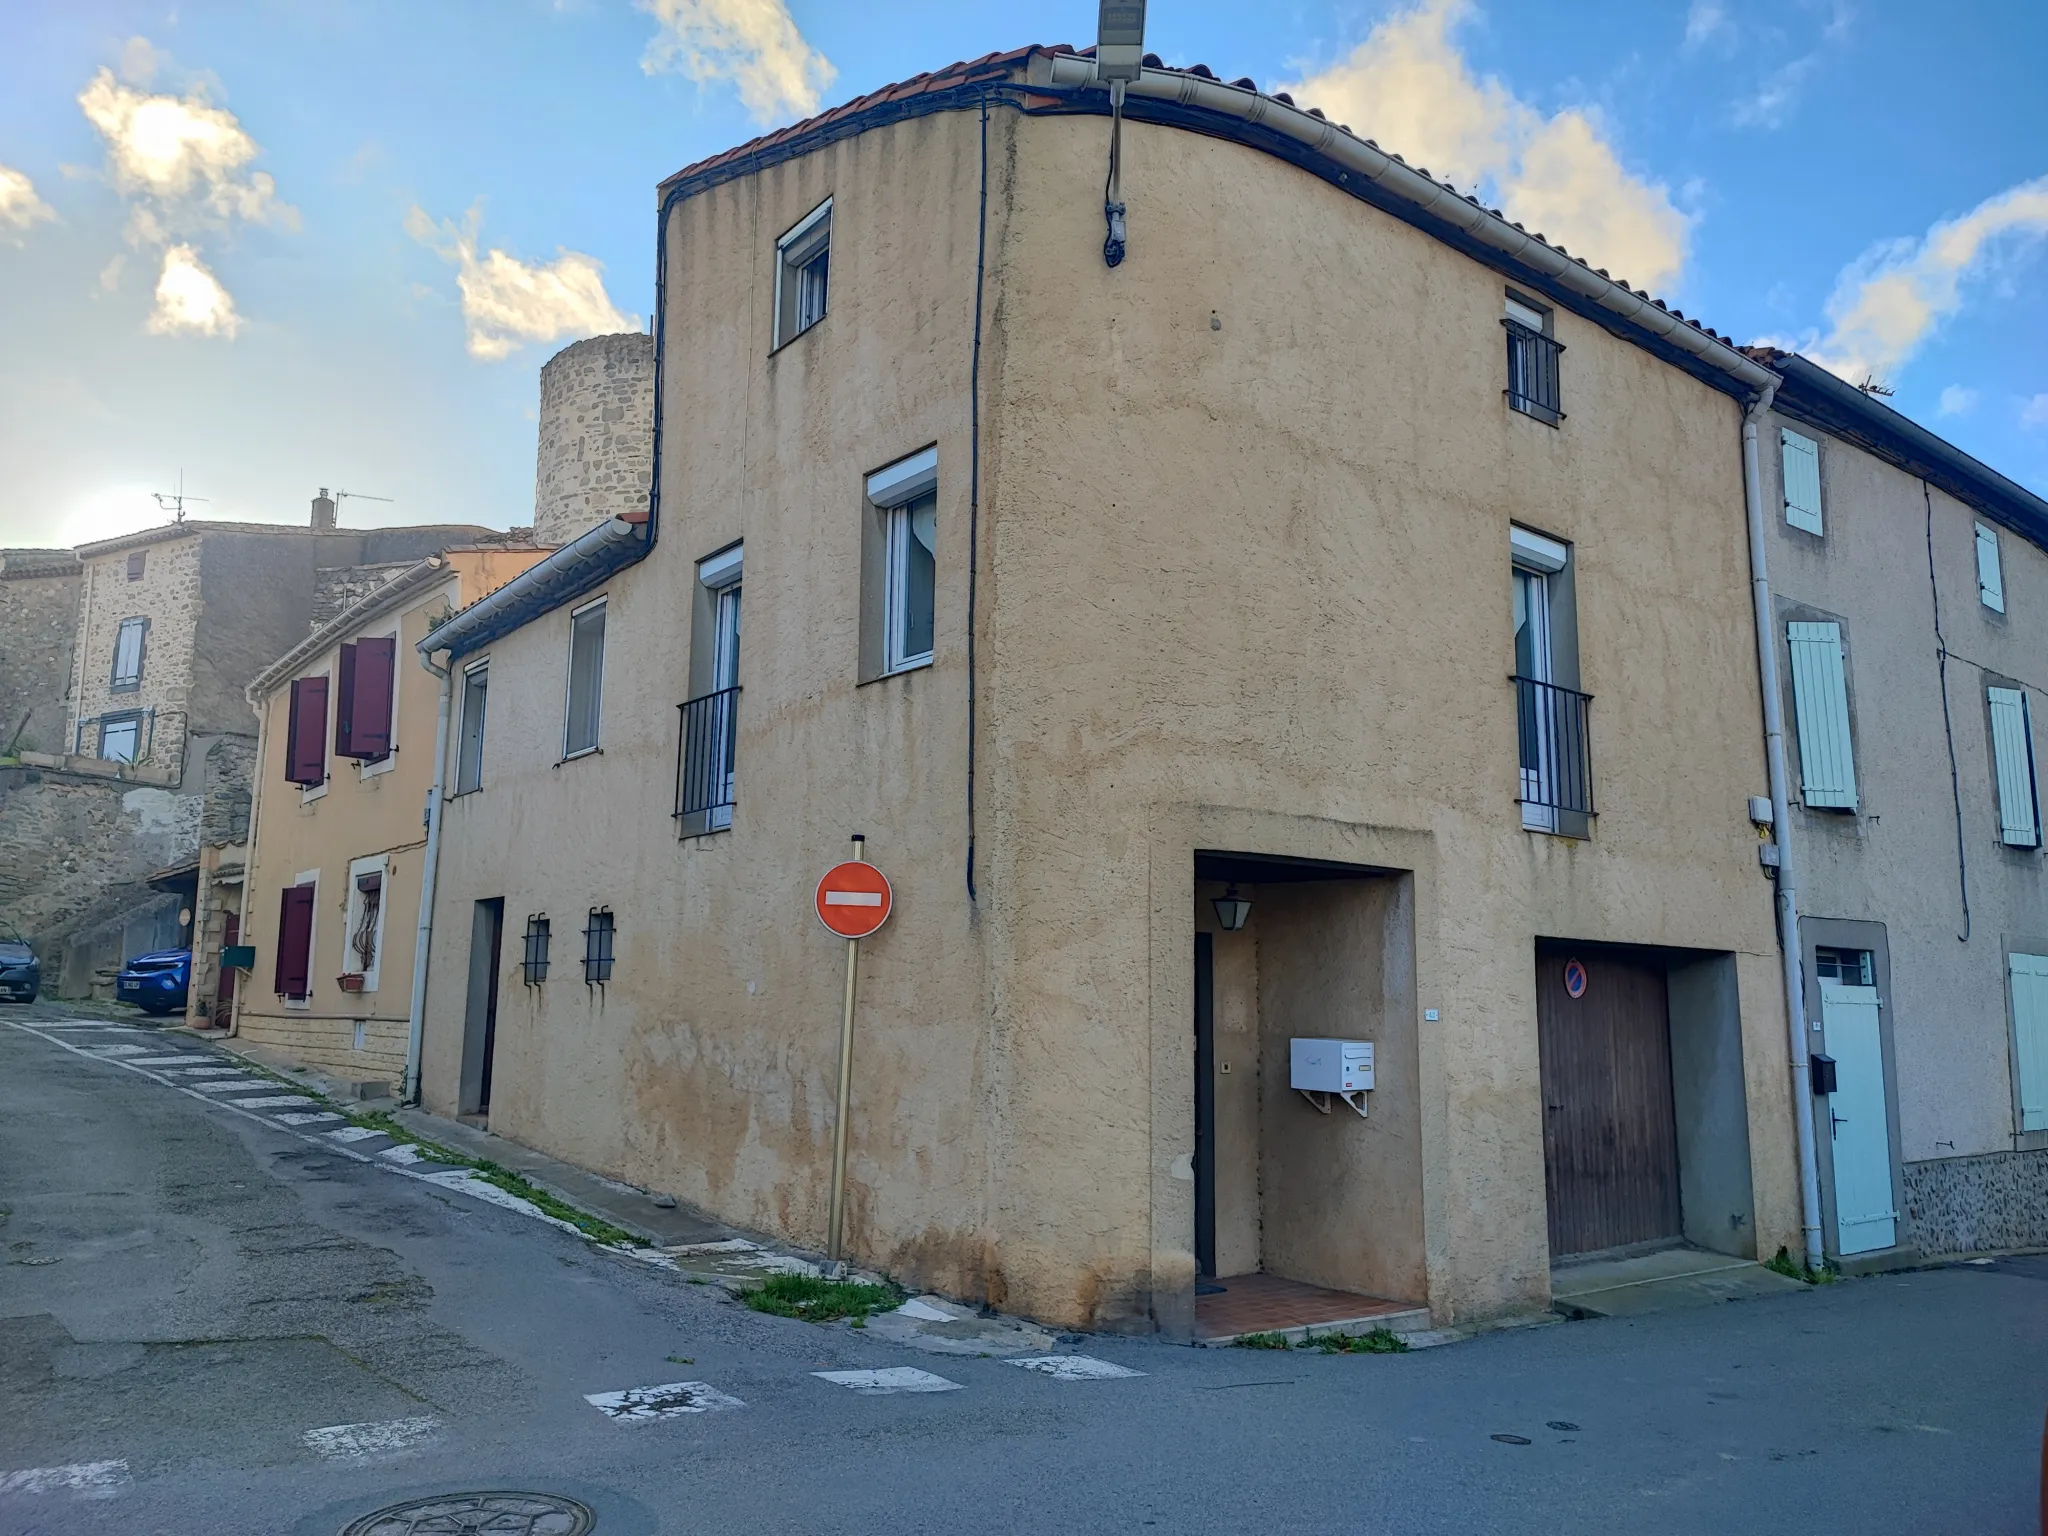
{"points": [[895, 1378], [1074, 1368], [182, 1059], [352, 1133], [278, 1101], [88, 1477], [345, 1442], [316, 1117], [668, 1401]]}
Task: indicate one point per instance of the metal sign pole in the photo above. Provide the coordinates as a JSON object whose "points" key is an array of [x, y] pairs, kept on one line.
{"points": [[845, 1088]]}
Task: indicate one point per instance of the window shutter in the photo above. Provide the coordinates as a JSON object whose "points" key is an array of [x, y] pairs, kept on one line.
{"points": [[1801, 456], [2030, 1037], [1990, 579], [1820, 699], [306, 751], [2012, 749], [345, 704], [295, 941], [370, 717]]}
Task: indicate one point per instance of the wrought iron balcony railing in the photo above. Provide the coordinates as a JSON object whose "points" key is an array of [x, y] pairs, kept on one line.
{"points": [[1556, 747], [706, 743]]}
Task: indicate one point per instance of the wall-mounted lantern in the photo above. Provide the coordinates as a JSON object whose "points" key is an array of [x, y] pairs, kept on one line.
{"points": [[1232, 910]]}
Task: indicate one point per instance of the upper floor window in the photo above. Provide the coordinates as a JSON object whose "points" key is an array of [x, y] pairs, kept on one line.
{"points": [[363, 699], [137, 564], [533, 963], [120, 738], [2012, 759], [306, 733], [1554, 745], [128, 647], [1990, 574], [597, 946], [586, 679], [803, 264], [469, 754], [1800, 456], [1820, 706], [905, 498], [1534, 387]]}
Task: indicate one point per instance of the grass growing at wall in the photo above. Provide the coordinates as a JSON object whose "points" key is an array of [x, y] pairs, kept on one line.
{"points": [[1380, 1341], [1782, 1263], [820, 1301], [1261, 1341]]}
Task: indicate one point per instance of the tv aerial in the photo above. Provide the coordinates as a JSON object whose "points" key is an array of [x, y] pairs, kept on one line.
{"points": [[361, 496], [173, 502]]}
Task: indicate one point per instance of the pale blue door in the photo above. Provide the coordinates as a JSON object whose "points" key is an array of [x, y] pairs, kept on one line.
{"points": [[1865, 1219]]}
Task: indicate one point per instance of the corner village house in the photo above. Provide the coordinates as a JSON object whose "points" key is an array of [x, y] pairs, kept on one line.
{"points": [[1347, 552]]}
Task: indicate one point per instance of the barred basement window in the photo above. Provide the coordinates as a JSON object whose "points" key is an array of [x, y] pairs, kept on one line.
{"points": [[597, 946], [535, 961]]}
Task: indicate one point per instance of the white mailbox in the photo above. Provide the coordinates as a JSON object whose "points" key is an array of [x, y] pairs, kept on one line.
{"points": [[1330, 1066]]}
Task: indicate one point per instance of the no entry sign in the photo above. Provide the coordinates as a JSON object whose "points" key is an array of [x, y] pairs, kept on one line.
{"points": [[853, 899]]}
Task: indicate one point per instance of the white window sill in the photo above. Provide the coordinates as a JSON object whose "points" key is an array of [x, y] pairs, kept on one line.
{"points": [[911, 664], [308, 795], [382, 765], [576, 756], [298, 1004]]}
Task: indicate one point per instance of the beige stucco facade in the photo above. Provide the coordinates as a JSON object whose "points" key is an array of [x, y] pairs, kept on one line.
{"points": [[1895, 566], [366, 818], [1243, 588]]}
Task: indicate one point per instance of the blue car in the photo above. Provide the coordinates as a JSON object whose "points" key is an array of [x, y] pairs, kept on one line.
{"points": [[156, 982], [21, 973]]}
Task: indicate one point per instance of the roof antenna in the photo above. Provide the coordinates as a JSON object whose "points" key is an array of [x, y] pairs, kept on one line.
{"points": [[1871, 386], [362, 496], [1119, 59], [173, 502]]}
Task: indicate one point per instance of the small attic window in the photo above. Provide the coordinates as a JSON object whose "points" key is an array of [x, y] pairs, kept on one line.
{"points": [[138, 562], [803, 264]]}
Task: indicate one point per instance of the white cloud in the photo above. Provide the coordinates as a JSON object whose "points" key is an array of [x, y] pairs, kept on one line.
{"points": [[1707, 21], [190, 300], [1772, 101], [20, 209], [1956, 401], [1889, 299], [753, 43], [184, 160], [508, 302], [1409, 89], [2035, 412]]}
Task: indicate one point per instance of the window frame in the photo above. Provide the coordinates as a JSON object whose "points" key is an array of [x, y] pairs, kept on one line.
{"points": [[1787, 439], [2015, 778], [1807, 710], [133, 719], [533, 954], [469, 765], [1533, 347], [1990, 594], [307, 878], [360, 909], [600, 941], [2028, 1053], [894, 495], [1534, 561], [117, 680], [138, 564], [571, 752], [798, 250]]}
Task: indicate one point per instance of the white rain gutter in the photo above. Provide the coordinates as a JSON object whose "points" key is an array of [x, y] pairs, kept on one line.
{"points": [[415, 1032], [545, 582], [1426, 196], [1781, 831]]}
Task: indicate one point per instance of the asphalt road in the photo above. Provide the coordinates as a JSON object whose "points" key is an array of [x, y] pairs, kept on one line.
{"points": [[212, 1323]]}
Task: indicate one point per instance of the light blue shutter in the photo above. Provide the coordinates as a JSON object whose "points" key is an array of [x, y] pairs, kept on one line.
{"points": [[1820, 698], [1801, 457], [2012, 748], [1990, 579], [2030, 1037]]}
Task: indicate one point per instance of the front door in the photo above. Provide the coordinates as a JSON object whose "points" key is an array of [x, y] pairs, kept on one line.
{"points": [[480, 1024], [1205, 1104], [1610, 1133], [1860, 1129]]}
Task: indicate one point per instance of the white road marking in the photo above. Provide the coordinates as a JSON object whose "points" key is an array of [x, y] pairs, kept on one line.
{"points": [[95, 1479], [671, 1401], [231, 1085], [118, 1048], [191, 1074], [344, 1442], [1074, 1368], [895, 1378], [312, 1117], [402, 1152], [352, 1133], [182, 1059], [925, 1312], [87, 1024], [279, 1101]]}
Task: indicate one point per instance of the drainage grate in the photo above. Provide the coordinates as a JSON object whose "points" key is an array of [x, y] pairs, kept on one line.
{"points": [[454, 1514]]}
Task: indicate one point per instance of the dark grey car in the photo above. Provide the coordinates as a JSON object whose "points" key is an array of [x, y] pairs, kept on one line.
{"points": [[21, 973]]}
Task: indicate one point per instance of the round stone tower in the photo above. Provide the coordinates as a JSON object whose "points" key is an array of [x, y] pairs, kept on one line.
{"points": [[596, 435]]}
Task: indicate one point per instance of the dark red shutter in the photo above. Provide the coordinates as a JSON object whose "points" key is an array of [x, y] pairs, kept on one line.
{"points": [[345, 704], [295, 940], [370, 718], [306, 752]]}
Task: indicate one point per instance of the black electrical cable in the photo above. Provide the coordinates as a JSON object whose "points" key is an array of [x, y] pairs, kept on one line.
{"points": [[974, 483], [1955, 783]]}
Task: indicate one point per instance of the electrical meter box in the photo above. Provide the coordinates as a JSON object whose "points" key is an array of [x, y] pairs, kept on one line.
{"points": [[1330, 1066]]}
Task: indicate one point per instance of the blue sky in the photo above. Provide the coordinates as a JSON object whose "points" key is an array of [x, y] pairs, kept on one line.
{"points": [[233, 237]]}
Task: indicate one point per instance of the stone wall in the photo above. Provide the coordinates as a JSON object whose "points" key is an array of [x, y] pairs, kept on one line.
{"points": [[38, 627], [166, 594], [1978, 1204], [596, 435]]}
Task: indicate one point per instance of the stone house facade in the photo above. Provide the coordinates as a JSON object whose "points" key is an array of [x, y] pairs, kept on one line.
{"points": [[596, 440], [349, 829], [1354, 556], [1911, 592], [38, 628]]}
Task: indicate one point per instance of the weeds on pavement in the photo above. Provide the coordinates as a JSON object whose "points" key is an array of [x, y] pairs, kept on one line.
{"points": [[820, 1301], [1782, 1263]]}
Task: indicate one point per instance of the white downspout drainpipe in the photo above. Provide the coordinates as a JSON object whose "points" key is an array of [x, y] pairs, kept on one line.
{"points": [[1781, 831], [416, 1024]]}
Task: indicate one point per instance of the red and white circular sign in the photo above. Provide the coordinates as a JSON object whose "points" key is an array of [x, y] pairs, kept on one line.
{"points": [[853, 899]]}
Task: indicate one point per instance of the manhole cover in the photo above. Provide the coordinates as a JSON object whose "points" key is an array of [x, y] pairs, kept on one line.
{"points": [[497, 1513]]}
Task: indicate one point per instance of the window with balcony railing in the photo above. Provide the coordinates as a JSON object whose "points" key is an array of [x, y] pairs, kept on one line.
{"points": [[706, 752], [1556, 753]]}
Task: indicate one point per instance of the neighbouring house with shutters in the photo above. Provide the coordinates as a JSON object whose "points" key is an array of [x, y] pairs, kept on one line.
{"points": [[1911, 594], [346, 724], [1332, 622]]}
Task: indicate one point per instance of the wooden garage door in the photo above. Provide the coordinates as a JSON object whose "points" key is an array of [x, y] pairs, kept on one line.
{"points": [[1610, 1142]]}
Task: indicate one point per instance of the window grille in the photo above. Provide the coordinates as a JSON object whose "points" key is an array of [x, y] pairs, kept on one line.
{"points": [[597, 946], [1533, 384], [363, 942], [535, 961]]}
